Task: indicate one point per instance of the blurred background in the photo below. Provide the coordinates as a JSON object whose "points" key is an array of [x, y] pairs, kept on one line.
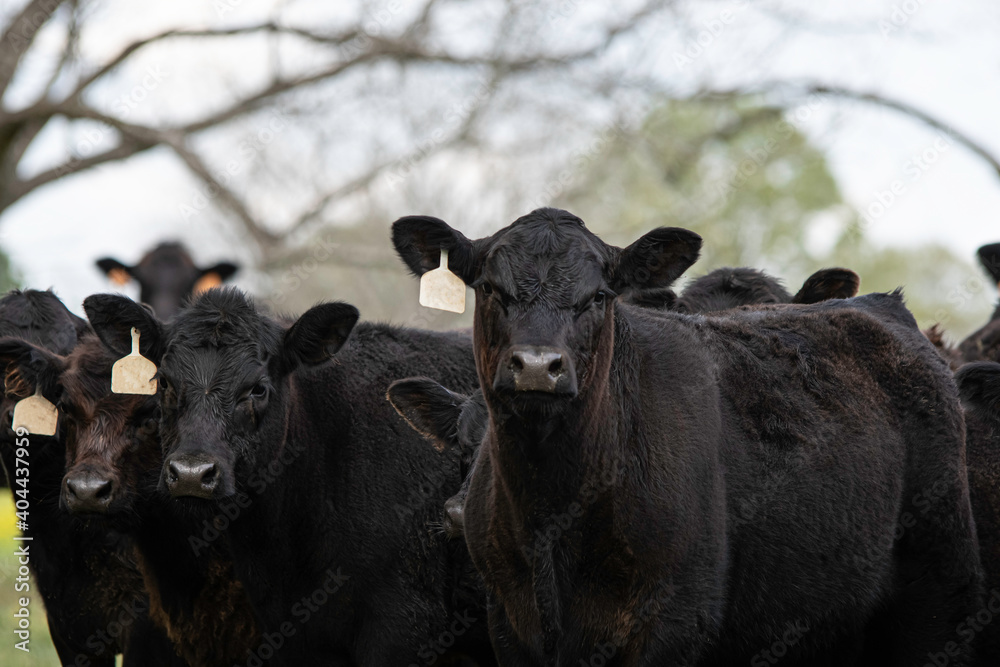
{"points": [[285, 136]]}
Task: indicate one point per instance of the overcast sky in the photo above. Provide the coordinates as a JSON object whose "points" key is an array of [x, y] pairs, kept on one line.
{"points": [[942, 57]]}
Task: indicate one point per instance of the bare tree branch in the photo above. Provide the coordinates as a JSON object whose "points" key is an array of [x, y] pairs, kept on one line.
{"points": [[18, 37]]}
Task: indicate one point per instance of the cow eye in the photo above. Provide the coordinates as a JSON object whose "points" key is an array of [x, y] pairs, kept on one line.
{"points": [[599, 298], [487, 289], [259, 390]]}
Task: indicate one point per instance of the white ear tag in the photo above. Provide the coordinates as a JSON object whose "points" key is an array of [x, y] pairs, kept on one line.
{"points": [[133, 373], [36, 415], [442, 289]]}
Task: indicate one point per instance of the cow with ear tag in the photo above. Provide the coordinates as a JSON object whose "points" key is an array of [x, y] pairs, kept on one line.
{"points": [[84, 572], [167, 277], [656, 488], [331, 495]]}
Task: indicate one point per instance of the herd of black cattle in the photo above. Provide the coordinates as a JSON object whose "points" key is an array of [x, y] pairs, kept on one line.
{"points": [[602, 472]]}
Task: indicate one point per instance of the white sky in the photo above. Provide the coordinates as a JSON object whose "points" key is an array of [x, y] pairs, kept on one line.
{"points": [[944, 59]]}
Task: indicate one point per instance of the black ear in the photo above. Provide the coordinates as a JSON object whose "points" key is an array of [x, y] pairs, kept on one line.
{"points": [[430, 409], [418, 240], [828, 284], [224, 270], [119, 273], [663, 298], [112, 316], [989, 257], [26, 366], [979, 385], [656, 259], [318, 334]]}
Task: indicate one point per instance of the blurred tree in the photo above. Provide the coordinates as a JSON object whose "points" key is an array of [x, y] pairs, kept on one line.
{"points": [[737, 172], [8, 280]]}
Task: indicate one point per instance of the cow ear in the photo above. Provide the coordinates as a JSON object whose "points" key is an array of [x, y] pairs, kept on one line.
{"points": [[120, 274], [828, 284], [656, 259], [318, 334], [418, 240], [989, 258], [113, 316], [979, 385], [214, 276], [26, 366], [430, 409]]}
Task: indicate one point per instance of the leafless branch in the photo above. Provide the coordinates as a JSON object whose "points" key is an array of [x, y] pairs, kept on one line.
{"points": [[20, 34]]}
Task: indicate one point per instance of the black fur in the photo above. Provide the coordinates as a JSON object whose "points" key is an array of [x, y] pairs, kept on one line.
{"points": [[713, 479], [339, 491]]}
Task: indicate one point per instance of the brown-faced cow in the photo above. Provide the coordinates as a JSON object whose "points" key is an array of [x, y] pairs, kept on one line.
{"points": [[86, 575], [658, 488]]}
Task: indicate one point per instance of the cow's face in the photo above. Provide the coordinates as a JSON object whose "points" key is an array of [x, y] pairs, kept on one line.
{"points": [[545, 292], [167, 276], [222, 370], [111, 439]]}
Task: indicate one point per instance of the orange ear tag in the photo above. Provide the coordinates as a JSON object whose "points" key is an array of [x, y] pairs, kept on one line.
{"points": [[206, 282], [442, 289], [133, 373], [119, 277], [36, 415]]}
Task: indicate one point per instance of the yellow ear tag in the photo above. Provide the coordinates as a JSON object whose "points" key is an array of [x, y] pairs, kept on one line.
{"points": [[119, 277], [207, 282], [442, 289], [36, 415], [133, 374]]}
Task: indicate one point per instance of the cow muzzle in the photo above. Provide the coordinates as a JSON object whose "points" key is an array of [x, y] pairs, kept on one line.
{"points": [[192, 476], [531, 368], [88, 492]]}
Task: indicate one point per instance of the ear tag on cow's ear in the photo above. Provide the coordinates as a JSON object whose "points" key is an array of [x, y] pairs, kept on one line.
{"points": [[207, 282], [133, 374], [442, 289], [36, 415], [119, 277]]}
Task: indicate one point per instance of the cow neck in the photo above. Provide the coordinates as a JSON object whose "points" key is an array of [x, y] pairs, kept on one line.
{"points": [[546, 463]]}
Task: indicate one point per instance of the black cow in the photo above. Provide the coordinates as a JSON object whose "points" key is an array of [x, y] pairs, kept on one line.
{"points": [[112, 462], [984, 344], [727, 288], [167, 277], [93, 594], [979, 386], [718, 290], [332, 495], [657, 488]]}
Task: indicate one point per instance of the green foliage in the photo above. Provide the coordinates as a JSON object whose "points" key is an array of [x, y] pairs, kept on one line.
{"points": [[760, 194]]}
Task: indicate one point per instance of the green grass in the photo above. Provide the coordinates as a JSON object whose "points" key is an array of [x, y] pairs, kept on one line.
{"points": [[42, 653]]}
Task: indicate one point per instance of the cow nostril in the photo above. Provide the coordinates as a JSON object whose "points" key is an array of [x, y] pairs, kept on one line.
{"points": [[516, 364], [172, 473], [210, 477], [555, 368], [104, 491]]}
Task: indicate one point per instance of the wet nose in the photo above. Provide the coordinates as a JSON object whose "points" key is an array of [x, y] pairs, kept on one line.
{"points": [[536, 368], [187, 476], [88, 492], [454, 517]]}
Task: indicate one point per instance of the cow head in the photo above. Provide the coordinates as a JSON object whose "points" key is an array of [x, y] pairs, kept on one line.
{"points": [[222, 370], [727, 288], [109, 439], [167, 277], [545, 294], [448, 420]]}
